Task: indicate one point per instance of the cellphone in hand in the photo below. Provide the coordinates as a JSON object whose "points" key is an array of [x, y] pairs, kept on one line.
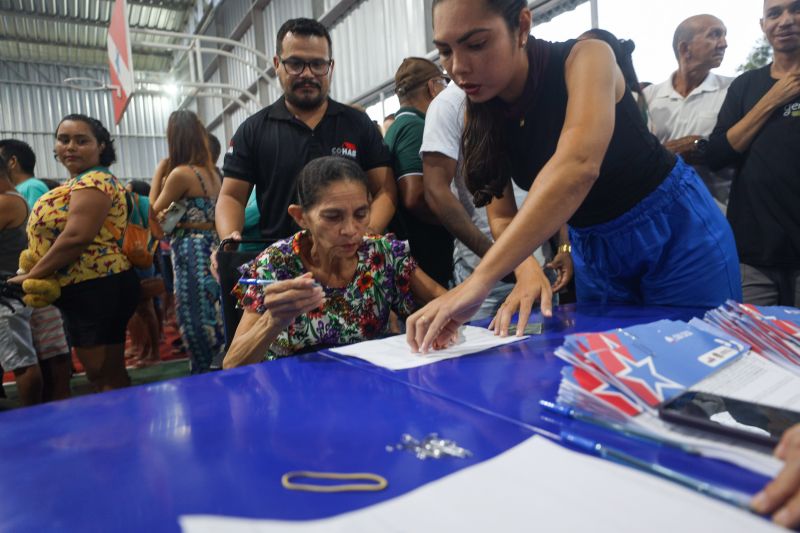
{"points": [[739, 419]]}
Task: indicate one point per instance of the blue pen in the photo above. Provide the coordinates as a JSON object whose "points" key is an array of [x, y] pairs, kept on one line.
{"points": [[255, 281], [737, 499], [264, 282], [628, 431]]}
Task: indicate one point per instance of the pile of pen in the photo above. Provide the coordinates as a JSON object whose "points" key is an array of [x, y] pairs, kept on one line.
{"points": [[772, 331]]}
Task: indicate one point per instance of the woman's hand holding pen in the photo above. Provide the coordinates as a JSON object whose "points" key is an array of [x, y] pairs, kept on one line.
{"points": [[286, 300], [781, 497]]}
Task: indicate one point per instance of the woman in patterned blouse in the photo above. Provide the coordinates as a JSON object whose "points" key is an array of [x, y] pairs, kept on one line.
{"points": [[73, 236], [336, 285]]}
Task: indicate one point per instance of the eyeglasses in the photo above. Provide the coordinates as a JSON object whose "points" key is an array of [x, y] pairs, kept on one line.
{"points": [[318, 67], [443, 81]]}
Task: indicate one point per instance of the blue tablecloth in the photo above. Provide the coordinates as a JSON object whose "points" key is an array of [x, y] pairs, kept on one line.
{"points": [[136, 459]]}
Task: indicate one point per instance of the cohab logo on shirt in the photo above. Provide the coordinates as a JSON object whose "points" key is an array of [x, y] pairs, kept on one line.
{"points": [[347, 149]]}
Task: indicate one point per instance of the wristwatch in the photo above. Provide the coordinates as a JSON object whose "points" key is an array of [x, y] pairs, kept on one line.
{"points": [[562, 248]]}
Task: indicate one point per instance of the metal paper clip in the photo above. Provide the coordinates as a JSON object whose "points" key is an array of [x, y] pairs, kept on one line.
{"points": [[430, 447]]}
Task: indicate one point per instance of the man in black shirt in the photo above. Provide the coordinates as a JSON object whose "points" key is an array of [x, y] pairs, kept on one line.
{"points": [[270, 147], [758, 130]]}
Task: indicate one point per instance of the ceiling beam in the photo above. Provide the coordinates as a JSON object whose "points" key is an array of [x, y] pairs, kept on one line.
{"points": [[164, 56], [69, 19], [337, 11], [174, 5], [547, 10]]}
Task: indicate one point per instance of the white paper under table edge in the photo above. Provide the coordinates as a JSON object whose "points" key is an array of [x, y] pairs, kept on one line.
{"points": [[535, 486]]}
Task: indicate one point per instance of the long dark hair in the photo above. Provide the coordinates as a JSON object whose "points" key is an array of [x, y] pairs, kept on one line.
{"points": [[487, 168], [187, 141], [4, 167]]}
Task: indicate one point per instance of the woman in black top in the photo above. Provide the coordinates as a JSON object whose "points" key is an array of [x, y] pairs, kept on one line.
{"points": [[559, 119]]}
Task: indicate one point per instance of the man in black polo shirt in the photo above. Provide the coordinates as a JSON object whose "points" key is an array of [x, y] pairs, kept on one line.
{"points": [[758, 131], [270, 147]]}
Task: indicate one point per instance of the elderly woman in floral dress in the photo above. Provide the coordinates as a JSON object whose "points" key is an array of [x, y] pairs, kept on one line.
{"points": [[334, 285]]}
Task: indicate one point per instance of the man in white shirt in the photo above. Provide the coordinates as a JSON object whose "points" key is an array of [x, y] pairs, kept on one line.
{"points": [[448, 198], [683, 109]]}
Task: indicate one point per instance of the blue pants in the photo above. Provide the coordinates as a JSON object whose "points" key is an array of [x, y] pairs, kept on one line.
{"points": [[672, 248]]}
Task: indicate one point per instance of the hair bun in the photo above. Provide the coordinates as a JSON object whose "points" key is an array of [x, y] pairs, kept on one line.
{"points": [[482, 197], [628, 45]]}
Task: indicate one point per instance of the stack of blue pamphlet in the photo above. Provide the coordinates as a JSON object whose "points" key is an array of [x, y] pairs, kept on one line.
{"points": [[772, 331], [624, 372]]}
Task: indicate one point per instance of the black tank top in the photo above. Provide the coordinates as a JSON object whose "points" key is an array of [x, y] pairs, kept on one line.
{"points": [[634, 165]]}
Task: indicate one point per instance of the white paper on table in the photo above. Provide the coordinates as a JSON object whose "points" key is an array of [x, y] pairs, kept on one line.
{"points": [[535, 486], [751, 457], [754, 378], [395, 354], [751, 378]]}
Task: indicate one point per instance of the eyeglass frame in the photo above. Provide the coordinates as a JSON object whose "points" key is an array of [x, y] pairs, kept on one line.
{"points": [[306, 64]]}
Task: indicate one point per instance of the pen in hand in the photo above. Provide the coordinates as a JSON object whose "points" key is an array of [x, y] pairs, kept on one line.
{"points": [[266, 282], [255, 281]]}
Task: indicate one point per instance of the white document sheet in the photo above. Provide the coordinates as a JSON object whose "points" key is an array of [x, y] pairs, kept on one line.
{"points": [[393, 352], [752, 378], [754, 458], [755, 379], [536, 486]]}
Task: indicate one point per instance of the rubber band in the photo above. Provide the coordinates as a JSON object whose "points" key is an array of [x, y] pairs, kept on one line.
{"points": [[380, 482]]}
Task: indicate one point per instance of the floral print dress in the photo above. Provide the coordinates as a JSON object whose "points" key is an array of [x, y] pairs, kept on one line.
{"points": [[357, 312], [197, 304]]}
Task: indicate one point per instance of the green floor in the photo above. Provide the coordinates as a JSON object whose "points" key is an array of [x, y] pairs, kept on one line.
{"points": [[139, 376]]}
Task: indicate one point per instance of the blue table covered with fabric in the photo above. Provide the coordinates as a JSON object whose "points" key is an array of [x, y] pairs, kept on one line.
{"points": [[509, 382], [137, 459]]}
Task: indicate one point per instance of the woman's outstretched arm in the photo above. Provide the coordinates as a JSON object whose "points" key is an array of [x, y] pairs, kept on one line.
{"points": [[594, 85]]}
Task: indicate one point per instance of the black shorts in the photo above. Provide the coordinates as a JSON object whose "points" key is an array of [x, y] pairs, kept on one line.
{"points": [[96, 312]]}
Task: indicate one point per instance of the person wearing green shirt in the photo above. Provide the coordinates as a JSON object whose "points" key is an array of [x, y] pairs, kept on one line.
{"points": [[145, 326], [417, 82], [250, 230]]}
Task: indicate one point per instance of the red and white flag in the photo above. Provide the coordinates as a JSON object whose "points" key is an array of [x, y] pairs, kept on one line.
{"points": [[120, 59]]}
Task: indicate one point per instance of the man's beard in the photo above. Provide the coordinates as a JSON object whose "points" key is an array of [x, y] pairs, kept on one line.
{"points": [[306, 101]]}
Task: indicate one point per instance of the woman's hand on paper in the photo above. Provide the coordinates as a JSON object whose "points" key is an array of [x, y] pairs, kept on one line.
{"points": [[436, 325]]}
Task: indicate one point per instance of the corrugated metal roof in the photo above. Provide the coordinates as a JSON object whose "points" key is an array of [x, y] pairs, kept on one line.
{"points": [[74, 31], [546, 10], [33, 101]]}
